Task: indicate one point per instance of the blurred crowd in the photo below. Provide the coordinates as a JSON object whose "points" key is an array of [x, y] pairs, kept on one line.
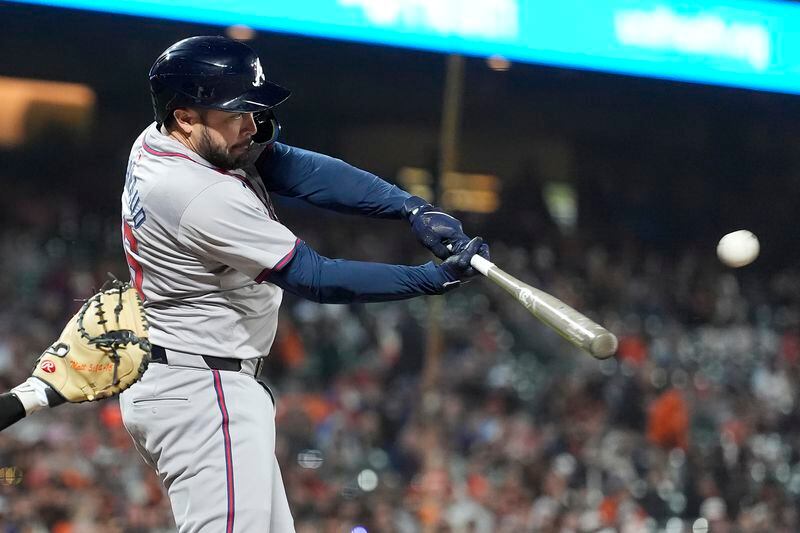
{"points": [[693, 427]]}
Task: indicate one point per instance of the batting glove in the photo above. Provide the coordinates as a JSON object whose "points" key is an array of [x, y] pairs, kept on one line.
{"points": [[456, 268], [435, 229]]}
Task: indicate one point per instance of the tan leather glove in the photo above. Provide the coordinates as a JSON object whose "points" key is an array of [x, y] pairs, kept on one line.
{"points": [[103, 349]]}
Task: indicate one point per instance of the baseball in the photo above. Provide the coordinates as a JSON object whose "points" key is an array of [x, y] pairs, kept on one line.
{"points": [[738, 248]]}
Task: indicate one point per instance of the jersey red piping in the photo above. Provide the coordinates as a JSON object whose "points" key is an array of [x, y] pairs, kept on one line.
{"points": [[157, 153], [246, 183], [226, 438], [279, 265]]}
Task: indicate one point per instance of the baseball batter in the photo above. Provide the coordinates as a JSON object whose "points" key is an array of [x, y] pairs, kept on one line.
{"points": [[211, 261]]}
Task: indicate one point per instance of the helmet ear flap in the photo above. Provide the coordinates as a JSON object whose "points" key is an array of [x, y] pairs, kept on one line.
{"points": [[267, 127]]}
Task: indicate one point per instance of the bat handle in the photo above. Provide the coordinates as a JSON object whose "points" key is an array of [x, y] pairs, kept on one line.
{"points": [[481, 264]]}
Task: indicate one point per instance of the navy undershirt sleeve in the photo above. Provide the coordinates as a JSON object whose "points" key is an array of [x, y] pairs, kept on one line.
{"points": [[324, 280], [328, 182], [11, 410]]}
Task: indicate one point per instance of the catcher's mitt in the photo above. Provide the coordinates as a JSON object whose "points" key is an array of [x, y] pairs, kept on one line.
{"points": [[103, 349]]}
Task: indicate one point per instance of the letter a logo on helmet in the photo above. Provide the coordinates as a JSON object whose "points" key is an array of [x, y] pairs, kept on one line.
{"points": [[260, 78]]}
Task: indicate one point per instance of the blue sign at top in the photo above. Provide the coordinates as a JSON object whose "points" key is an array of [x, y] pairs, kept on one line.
{"points": [[740, 43]]}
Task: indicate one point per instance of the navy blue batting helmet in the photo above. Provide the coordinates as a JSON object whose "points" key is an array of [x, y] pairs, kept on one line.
{"points": [[213, 73]]}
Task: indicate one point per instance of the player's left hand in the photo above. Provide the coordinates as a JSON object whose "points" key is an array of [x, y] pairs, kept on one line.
{"points": [[438, 231], [457, 267]]}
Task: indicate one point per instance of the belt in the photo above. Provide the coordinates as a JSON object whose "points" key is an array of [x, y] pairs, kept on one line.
{"points": [[159, 355]]}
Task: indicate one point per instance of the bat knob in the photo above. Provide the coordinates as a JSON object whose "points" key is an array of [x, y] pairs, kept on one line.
{"points": [[604, 345]]}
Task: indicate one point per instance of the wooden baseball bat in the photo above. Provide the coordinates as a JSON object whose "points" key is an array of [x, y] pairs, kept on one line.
{"points": [[569, 323]]}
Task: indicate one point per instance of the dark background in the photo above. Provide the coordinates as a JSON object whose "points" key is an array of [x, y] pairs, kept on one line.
{"points": [[663, 163]]}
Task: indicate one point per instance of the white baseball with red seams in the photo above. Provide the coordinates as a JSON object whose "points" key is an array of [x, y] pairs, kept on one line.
{"points": [[200, 244], [738, 248]]}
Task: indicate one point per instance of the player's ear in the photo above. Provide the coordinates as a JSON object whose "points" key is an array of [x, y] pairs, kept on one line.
{"points": [[185, 118]]}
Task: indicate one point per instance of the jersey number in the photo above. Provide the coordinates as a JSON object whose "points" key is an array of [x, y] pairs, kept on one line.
{"points": [[131, 246]]}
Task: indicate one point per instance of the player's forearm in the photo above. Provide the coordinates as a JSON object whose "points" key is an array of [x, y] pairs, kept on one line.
{"points": [[11, 410], [25, 399], [329, 183], [324, 280]]}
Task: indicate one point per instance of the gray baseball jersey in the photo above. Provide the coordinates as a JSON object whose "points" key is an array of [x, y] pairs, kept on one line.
{"points": [[198, 242]]}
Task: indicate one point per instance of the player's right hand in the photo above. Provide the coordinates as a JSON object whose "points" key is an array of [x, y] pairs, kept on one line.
{"points": [[456, 268]]}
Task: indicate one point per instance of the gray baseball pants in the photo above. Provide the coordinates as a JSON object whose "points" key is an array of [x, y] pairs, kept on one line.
{"points": [[210, 435]]}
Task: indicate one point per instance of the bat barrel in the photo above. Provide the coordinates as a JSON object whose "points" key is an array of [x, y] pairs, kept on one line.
{"points": [[604, 345], [571, 324]]}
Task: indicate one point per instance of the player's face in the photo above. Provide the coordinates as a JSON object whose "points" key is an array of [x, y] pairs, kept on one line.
{"points": [[224, 138]]}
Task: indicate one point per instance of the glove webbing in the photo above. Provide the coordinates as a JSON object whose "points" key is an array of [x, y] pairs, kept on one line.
{"points": [[114, 339]]}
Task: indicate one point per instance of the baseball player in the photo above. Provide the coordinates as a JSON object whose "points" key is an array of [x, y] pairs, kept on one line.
{"points": [[211, 261]]}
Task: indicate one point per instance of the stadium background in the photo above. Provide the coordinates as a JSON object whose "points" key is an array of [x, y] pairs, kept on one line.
{"points": [[692, 427]]}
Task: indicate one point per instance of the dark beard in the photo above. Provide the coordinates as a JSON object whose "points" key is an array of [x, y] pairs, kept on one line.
{"points": [[220, 157]]}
